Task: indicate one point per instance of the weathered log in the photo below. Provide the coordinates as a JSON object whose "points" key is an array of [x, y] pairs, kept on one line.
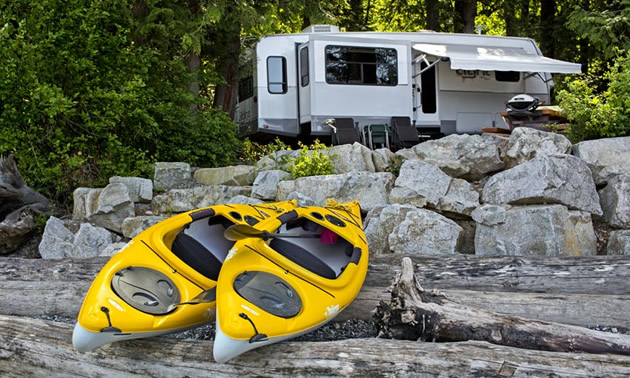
{"points": [[34, 347], [57, 287], [414, 313]]}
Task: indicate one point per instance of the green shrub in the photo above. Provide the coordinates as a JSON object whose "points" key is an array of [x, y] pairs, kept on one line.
{"points": [[252, 151], [599, 115], [83, 98], [312, 161]]}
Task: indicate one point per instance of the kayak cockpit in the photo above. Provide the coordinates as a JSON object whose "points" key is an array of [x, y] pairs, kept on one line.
{"points": [[201, 245], [319, 250]]}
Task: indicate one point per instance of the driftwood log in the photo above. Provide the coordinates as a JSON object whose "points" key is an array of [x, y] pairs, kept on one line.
{"points": [[416, 314], [578, 291], [33, 347]]}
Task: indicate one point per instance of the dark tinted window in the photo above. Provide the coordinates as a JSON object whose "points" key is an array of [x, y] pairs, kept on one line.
{"points": [[361, 65], [508, 76], [277, 74], [428, 95], [304, 66], [245, 88]]}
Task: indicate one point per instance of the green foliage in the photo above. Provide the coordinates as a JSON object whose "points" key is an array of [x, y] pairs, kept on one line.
{"points": [[88, 91], [395, 163], [605, 26], [252, 151], [312, 161], [599, 115]]}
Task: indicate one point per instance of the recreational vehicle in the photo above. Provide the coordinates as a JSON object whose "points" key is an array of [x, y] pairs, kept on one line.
{"points": [[445, 83]]}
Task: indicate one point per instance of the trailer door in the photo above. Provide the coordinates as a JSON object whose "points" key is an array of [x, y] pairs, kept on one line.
{"points": [[425, 92], [304, 83]]}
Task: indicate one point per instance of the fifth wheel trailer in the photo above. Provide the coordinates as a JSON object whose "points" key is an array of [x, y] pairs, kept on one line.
{"points": [[449, 83]]}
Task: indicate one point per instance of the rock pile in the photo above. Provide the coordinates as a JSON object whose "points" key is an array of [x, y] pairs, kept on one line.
{"points": [[531, 194]]}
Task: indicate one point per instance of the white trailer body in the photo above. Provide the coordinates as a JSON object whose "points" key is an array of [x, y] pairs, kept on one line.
{"points": [[450, 83]]}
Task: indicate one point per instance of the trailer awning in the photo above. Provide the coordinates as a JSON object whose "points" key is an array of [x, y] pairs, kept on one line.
{"points": [[465, 57]]}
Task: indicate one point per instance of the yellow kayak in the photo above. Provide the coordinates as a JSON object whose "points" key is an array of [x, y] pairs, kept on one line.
{"points": [[165, 279], [275, 285]]}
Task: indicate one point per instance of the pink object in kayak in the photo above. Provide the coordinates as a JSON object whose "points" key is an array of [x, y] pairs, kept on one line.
{"points": [[328, 237]]}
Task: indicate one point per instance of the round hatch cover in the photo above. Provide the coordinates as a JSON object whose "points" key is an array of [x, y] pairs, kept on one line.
{"points": [[269, 292], [145, 289]]}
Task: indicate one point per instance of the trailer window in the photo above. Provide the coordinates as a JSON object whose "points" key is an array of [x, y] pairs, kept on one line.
{"points": [[277, 74], [512, 76], [304, 66], [245, 88], [361, 65]]}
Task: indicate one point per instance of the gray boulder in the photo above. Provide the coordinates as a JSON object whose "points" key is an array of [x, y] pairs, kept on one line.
{"points": [[236, 175], [562, 179], [245, 200], [619, 243], [425, 232], [266, 183], [302, 200], [380, 222], [16, 228], [605, 157], [526, 143], [370, 189], [168, 176], [56, 241], [470, 157], [351, 158], [422, 184], [106, 207], [533, 231], [140, 189], [615, 201], [131, 227], [382, 159], [113, 249], [180, 200], [89, 241]]}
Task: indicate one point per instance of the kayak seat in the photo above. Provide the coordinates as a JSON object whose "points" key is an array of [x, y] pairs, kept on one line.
{"points": [[195, 255], [201, 245], [302, 257]]}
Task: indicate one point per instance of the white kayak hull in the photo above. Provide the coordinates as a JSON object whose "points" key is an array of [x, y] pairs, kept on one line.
{"points": [[85, 341]]}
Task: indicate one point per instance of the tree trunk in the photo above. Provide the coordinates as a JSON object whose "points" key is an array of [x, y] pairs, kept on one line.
{"points": [[193, 60], [433, 14], [547, 25], [226, 93], [34, 347], [509, 15], [465, 12], [414, 313], [578, 291]]}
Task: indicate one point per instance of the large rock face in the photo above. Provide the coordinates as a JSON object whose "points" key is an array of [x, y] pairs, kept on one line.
{"points": [[526, 143], [168, 176], [180, 200], [619, 243], [423, 184], [266, 183], [615, 201], [470, 157], [381, 222], [370, 189], [605, 157], [106, 207], [140, 189], [562, 179], [351, 158], [59, 242], [533, 230], [131, 227], [425, 232], [237, 175]]}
